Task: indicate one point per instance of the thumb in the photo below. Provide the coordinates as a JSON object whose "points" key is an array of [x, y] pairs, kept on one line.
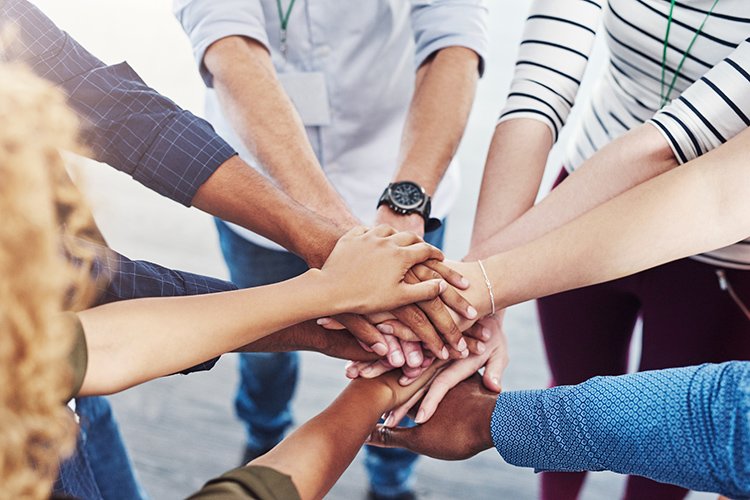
{"points": [[493, 371], [396, 437], [423, 291]]}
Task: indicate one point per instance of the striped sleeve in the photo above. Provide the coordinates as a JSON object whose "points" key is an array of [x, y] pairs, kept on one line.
{"points": [[712, 110], [557, 40]]}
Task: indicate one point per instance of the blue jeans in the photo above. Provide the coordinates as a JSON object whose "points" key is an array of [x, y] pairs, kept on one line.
{"points": [[100, 467], [268, 380]]}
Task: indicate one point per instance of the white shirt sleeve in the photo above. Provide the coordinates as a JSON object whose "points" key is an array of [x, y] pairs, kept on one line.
{"points": [[712, 110], [555, 48], [206, 21], [438, 24]]}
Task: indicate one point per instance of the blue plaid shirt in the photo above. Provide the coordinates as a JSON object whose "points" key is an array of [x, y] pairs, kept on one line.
{"points": [[127, 124]]}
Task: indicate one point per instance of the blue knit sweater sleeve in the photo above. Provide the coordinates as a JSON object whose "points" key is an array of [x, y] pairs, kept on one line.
{"points": [[685, 426]]}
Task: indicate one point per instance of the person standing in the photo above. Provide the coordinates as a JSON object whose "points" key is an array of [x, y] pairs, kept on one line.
{"points": [[355, 109]]}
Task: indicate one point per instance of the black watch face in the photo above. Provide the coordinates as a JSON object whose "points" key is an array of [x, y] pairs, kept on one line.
{"points": [[406, 194]]}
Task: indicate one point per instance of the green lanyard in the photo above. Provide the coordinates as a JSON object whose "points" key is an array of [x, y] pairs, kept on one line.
{"points": [[284, 19], [665, 96]]}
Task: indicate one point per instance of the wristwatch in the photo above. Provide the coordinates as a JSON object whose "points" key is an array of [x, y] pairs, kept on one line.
{"points": [[408, 197]]}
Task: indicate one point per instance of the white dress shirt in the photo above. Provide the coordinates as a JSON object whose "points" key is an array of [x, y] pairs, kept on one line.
{"points": [[368, 52]]}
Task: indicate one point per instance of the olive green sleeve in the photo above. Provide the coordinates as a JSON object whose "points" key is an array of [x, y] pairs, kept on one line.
{"points": [[79, 356], [250, 482]]}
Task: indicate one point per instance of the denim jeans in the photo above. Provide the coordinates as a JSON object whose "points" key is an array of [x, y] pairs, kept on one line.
{"points": [[268, 380], [100, 467]]}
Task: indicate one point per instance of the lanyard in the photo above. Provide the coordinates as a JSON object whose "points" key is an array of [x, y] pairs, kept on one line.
{"points": [[284, 20], [665, 96]]}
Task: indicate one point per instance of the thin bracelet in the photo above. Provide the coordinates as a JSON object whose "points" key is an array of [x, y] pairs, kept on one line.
{"points": [[489, 286]]}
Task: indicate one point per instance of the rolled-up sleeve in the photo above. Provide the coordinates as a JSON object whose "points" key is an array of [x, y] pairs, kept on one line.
{"points": [[712, 110], [207, 21], [439, 24], [126, 124]]}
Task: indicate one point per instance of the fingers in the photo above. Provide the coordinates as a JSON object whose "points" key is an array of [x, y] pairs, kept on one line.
{"points": [[450, 296], [420, 252], [450, 275], [381, 230], [355, 231], [493, 371], [397, 329], [376, 369], [423, 291], [330, 324], [476, 347], [478, 331], [417, 321], [444, 382], [365, 332], [395, 354], [412, 353]]}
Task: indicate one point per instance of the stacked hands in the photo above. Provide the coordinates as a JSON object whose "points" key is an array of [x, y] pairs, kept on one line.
{"points": [[415, 316]]}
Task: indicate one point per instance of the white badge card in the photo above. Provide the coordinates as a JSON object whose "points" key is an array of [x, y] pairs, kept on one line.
{"points": [[309, 94]]}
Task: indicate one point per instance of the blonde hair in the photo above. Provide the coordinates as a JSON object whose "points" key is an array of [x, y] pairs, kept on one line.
{"points": [[37, 281]]}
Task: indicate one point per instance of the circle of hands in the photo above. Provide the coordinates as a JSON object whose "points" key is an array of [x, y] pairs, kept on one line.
{"points": [[456, 326]]}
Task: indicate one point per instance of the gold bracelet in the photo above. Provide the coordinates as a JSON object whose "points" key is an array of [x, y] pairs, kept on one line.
{"points": [[489, 285]]}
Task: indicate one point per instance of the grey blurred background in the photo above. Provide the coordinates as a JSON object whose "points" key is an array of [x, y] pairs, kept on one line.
{"points": [[181, 431]]}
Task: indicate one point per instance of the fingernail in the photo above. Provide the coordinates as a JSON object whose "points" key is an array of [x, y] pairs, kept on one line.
{"points": [[471, 313], [464, 282], [420, 416], [415, 359], [485, 333], [366, 370], [444, 353], [403, 380], [387, 329], [462, 345], [481, 347], [323, 321], [397, 359], [496, 381], [380, 349], [443, 286], [464, 354]]}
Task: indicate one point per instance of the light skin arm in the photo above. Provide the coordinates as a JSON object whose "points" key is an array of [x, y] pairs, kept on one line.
{"points": [[633, 158], [443, 94], [701, 206], [134, 341], [264, 117]]}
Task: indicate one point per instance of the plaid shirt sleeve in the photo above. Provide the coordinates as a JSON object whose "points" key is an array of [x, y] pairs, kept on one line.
{"points": [[125, 279], [125, 123]]}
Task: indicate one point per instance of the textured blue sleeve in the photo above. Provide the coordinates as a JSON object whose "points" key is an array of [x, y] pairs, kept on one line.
{"points": [[126, 123], [685, 426]]}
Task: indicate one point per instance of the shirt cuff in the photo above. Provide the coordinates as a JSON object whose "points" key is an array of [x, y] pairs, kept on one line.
{"points": [[514, 427]]}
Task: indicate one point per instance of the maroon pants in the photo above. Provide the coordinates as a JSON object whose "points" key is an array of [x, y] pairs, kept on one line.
{"points": [[687, 320]]}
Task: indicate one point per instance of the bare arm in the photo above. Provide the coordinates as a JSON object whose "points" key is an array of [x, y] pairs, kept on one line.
{"points": [[633, 158], [701, 206], [131, 342], [266, 121], [443, 95]]}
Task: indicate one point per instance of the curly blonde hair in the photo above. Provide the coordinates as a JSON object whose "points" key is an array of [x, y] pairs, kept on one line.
{"points": [[37, 281]]}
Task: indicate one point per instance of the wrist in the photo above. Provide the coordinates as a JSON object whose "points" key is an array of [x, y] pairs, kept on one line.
{"points": [[483, 414], [401, 222]]}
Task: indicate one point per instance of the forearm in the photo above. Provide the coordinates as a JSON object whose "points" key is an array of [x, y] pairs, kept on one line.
{"points": [[266, 121], [683, 426], [317, 453], [701, 206], [309, 336], [636, 157], [135, 341], [237, 193], [512, 175], [443, 95]]}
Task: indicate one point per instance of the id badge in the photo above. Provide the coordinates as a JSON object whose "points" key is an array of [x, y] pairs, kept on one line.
{"points": [[309, 94]]}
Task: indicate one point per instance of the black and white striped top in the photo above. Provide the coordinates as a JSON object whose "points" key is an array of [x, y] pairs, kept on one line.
{"points": [[711, 97]]}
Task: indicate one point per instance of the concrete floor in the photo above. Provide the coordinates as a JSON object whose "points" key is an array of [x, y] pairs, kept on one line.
{"points": [[181, 430]]}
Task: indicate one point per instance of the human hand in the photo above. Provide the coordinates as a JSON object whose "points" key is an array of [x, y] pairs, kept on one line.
{"points": [[494, 359], [458, 430], [410, 222], [366, 270]]}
